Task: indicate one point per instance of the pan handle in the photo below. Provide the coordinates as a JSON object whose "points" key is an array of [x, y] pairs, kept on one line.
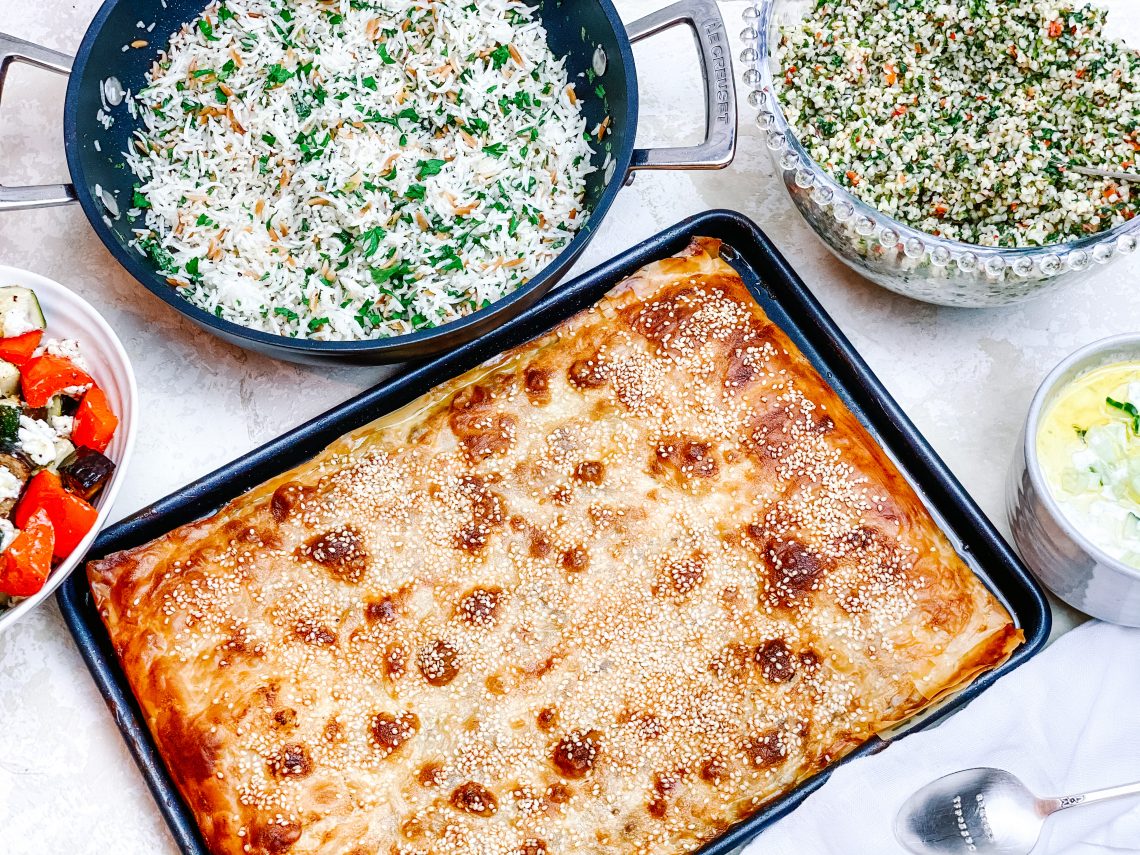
{"points": [[12, 50], [719, 146]]}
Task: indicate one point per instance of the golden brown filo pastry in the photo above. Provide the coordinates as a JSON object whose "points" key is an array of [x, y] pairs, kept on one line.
{"points": [[609, 593]]}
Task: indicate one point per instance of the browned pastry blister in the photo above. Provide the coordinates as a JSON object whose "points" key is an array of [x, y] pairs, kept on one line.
{"points": [[609, 593]]}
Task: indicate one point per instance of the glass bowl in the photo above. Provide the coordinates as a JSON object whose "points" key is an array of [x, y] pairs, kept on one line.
{"points": [[889, 253]]}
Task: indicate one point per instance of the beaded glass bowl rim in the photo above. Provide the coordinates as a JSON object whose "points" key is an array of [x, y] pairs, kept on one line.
{"points": [[758, 35]]}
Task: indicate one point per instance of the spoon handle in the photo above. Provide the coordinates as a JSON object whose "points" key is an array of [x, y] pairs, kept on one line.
{"points": [[1054, 805], [1105, 173]]}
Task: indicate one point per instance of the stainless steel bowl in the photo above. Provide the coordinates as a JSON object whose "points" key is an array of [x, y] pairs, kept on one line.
{"points": [[1067, 562]]}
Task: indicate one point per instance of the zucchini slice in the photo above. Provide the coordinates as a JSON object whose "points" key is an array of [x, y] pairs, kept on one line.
{"points": [[20, 311], [9, 379]]}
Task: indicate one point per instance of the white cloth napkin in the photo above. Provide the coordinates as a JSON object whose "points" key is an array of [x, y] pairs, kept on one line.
{"points": [[1066, 722]]}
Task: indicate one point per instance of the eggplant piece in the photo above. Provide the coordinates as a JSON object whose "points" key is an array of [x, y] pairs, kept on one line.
{"points": [[86, 472], [22, 471]]}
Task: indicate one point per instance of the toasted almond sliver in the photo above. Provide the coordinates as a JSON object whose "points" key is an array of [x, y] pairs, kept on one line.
{"points": [[571, 94], [318, 201], [139, 43], [236, 57], [422, 221], [259, 207], [516, 56], [514, 262]]}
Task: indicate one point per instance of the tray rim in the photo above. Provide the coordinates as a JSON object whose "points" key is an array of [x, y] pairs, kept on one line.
{"points": [[841, 365]]}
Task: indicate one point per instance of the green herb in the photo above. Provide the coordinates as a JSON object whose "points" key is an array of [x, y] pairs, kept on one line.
{"points": [[447, 259], [416, 191], [495, 149], [286, 313], [316, 323], [207, 30], [277, 74], [396, 271], [369, 83], [383, 51], [224, 14], [269, 139], [370, 241], [425, 168], [500, 55], [138, 200], [192, 266]]}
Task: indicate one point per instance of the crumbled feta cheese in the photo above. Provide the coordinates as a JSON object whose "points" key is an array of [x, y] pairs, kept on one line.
{"points": [[37, 440], [62, 425], [17, 323], [8, 533], [10, 485], [68, 348]]}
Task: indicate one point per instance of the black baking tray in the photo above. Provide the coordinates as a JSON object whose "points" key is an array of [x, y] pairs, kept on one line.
{"points": [[786, 300]]}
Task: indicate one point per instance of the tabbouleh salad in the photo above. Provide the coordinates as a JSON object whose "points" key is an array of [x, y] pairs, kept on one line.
{"points": [[960, 118]]}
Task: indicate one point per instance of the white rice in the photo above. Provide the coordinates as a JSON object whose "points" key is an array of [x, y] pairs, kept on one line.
{"points": [[349, 170]]}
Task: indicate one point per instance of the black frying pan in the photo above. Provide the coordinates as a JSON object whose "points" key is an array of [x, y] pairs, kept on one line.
{"points": [[577, 29]]}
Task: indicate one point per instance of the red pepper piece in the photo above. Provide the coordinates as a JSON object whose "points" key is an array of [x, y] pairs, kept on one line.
{"points": [[43, 377], [26, 563], [19, 349], [71, 517], [95, 421]]}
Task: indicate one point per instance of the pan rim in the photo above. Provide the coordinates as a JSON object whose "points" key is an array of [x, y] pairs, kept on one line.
{"points": [[422, 342]]}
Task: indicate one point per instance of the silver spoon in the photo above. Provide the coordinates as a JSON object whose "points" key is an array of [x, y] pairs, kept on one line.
{"points": [[1105, 173], [988, 811]]}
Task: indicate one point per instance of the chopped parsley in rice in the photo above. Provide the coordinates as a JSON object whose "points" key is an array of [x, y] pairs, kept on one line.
{"points": [[959, 118], [357, 170]]}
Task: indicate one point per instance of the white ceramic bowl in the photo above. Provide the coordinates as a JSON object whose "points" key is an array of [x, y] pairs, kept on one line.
{"points": [[70, 316]]}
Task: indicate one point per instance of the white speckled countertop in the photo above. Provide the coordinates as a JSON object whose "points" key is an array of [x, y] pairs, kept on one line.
{"points": [[67, 783]]}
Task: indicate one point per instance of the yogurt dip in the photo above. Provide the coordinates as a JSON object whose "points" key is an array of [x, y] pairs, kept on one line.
{"points": [[1088, 445]]}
